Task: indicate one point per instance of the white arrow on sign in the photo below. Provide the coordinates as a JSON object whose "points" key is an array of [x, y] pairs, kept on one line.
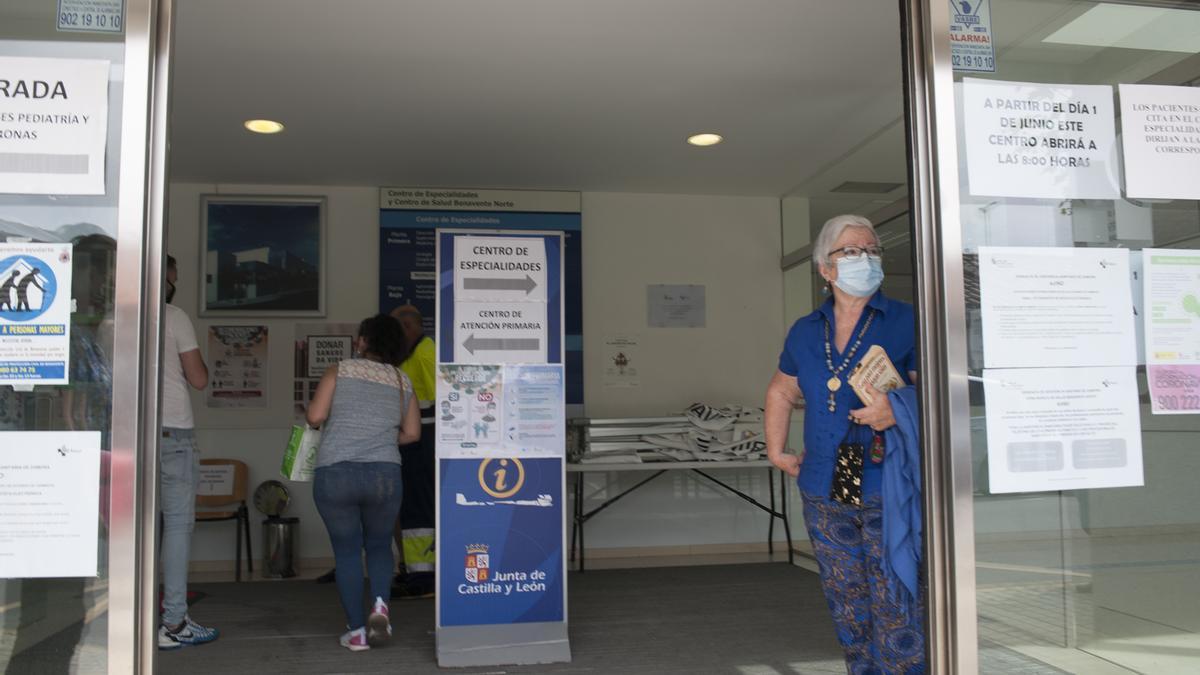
{"points": [[500, 284], [501, 344]]}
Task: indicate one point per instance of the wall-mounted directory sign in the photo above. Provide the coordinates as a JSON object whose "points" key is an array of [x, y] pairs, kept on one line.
{"points": [[1048, 141], [1160, 132]]}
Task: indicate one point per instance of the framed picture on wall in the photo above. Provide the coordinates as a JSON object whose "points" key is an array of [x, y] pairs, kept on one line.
{"points": [[262, 255]]}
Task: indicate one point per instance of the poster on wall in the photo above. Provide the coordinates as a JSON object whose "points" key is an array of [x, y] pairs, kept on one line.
{"points": [[675, 306], [1062, 428], [239, 357], [1171, 284], [410, 216], [317, 346], [1160, 134], [50, 498], [1048, 306], [622, 361], [500, 554], [1040, 141], [971, 48], [53, 125], [35, 313]]}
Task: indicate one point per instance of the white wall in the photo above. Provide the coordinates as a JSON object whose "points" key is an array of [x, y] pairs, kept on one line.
{"points": [[729, 244]]}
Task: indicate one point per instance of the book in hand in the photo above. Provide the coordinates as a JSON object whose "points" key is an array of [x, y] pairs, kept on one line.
{"points": [[875, 369]]}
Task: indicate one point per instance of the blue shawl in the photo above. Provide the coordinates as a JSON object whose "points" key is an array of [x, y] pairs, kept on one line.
{"points": [[902, 500]]}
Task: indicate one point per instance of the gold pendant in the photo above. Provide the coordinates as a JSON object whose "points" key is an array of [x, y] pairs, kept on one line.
{"points": [[834, 383]]}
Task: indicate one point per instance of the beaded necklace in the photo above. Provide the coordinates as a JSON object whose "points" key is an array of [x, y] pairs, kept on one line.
{"points": [[835, 382]]}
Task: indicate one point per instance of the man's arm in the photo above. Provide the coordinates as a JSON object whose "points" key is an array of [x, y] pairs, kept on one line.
{"points": [[194, 369]]}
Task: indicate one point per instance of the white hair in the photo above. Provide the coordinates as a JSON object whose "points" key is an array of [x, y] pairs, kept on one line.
{"points": [[832, 229]]}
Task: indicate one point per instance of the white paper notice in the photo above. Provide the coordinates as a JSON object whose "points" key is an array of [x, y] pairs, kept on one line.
{"points": [[35, 313], [1062, 429], [503, 269], [675, 306], [495, 332], [53, 125], [534, 411], [1172, 320], [1048, 141], [1047, 307], [1160, 132], [49, 503], [622, 361], [216, 480]]}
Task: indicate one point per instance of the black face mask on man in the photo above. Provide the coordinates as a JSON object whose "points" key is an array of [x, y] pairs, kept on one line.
{"points": [[170, 292]]}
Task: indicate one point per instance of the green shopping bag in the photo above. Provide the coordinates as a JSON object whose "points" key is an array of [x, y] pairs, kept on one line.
{"points": [[300, 458]]}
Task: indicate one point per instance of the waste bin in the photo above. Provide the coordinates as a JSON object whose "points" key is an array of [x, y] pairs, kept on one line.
{"points": [[279, 547]]}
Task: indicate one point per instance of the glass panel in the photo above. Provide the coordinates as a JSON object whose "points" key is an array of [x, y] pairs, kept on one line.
{"points": [[57, 623], [1092, 579]]}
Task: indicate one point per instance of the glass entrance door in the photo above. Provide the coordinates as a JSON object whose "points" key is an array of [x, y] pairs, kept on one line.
{"points": [[74, 161], [1078, 154]]}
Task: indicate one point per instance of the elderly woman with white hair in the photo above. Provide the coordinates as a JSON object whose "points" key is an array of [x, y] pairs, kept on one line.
{"points": [[864, 524]]}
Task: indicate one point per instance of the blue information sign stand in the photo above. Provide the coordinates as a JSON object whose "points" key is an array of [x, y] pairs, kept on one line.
{"points": [[501, 398]]}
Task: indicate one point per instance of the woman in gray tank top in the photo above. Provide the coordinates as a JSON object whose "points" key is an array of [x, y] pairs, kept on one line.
{"points": [[365, 407]]}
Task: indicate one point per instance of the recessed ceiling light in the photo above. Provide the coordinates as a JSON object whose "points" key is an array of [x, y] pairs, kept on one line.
{"points": [[264, 126], [705, 139]]}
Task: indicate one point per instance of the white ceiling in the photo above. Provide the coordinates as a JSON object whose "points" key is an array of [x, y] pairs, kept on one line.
{"points": [[551, 94]]}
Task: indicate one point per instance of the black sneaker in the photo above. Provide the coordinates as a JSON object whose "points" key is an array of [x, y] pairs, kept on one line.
{"points": [[328, 578]]}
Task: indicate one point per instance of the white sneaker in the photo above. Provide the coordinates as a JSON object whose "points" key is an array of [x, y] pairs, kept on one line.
{"points": [[190, 633], [379, 625], [355, 640]]}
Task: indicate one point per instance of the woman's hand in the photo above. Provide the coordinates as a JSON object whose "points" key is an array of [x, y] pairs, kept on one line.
{"points": [[785, 462], [878, 415]]}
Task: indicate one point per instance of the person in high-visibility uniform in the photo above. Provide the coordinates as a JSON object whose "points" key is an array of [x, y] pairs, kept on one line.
{"points": [[414, 533]]}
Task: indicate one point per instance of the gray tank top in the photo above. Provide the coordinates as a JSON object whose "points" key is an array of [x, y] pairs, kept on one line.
{"points": [[364, 420]]}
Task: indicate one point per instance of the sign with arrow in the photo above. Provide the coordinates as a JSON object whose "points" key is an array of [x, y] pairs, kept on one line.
{"points": [[499, 332], [499, 269]]}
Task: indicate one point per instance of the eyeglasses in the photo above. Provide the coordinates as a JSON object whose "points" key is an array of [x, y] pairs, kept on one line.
{"points": [[856, 252]]}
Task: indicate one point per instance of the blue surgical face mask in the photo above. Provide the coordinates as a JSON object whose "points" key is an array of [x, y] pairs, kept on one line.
{"points": [[860, 276]]}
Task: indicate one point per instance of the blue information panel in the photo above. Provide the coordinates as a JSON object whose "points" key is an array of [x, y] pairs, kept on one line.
{"points": [[500, 557], [408, 268]]}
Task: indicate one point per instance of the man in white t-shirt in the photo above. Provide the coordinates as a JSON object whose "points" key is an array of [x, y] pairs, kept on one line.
{"points": [[179, 471]]}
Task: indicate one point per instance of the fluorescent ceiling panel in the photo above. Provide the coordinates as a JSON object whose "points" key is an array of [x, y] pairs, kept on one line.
{"points": [[1130, 27]]}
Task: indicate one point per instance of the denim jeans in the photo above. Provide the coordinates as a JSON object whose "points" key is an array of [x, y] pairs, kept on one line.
{"points": [[359, 502], [178, 476]]}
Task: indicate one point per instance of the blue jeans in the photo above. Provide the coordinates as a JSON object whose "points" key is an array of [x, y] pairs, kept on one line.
{"points": [[359, 502], [178, 476]]}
